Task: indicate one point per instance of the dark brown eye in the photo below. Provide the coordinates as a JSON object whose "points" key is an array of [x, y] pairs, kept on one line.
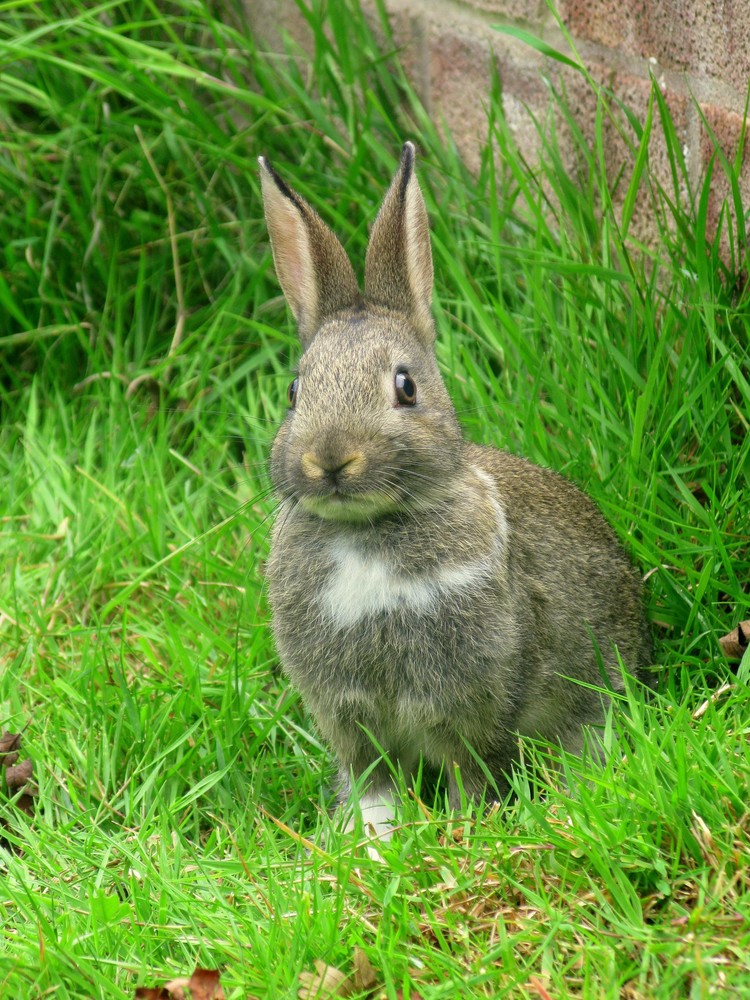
{"points": [[291, 393], [406, 390]]}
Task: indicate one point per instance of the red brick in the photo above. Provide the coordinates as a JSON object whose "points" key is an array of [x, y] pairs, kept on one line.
{"points": [[271, 19], [460, 81], [407, 32], [634, 92], [727, 129], [702, 37], [735, 44], [526, 10]]}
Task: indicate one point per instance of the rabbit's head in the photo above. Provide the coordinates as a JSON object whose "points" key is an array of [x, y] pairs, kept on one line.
{"points": [[370, 430]]}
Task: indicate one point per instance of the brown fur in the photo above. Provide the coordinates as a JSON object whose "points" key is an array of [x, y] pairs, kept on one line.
{"points": [[427, 592]]}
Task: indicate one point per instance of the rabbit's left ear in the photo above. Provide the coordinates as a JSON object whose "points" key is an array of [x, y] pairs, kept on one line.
{"points": [[398, 267], [312, 267]]}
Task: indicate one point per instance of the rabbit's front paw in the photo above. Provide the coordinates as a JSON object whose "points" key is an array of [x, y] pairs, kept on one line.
{"points": [[376, 813]]}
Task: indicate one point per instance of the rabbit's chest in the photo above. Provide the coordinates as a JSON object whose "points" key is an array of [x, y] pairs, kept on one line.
{"points": [[357, 627], [362, 586]]}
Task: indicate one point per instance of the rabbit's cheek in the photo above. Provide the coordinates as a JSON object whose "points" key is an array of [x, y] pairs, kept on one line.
{"points": [[279, 468]]}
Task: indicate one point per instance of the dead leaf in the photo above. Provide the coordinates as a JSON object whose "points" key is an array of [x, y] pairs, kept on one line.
{"points": [[9, 744], [364, 976], [202, 985], [205, 985], [15, 778], [705, 838], [328, 981], [735, 643], [176, 988]]}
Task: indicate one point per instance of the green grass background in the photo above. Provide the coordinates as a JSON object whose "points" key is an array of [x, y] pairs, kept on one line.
{"points": [[144, 357]]}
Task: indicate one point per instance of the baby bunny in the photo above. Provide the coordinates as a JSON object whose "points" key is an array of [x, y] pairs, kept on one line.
{"points": [[430, 597]]}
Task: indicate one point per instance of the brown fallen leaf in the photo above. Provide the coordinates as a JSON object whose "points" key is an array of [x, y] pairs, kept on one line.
{"points": [[9, 744], [735, 643], [328, 981], [18, 775], [14, 777], [202, 985], [364, 976]]}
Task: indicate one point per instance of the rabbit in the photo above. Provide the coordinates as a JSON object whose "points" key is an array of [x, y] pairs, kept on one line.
{"points": [[430, 598]]}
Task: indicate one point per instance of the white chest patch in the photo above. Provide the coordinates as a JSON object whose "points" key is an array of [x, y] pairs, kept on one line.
{"points": [[364, 585]]}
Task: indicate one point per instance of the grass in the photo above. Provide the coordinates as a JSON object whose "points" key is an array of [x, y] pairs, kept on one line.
{"points": [[182, 809]]}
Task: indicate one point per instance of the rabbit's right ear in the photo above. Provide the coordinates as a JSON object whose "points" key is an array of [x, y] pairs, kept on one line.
{"points": [[398, 266], [312, 267]]}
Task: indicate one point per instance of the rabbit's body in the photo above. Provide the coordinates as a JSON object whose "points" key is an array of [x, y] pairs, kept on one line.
{"points": [[431, 597]]}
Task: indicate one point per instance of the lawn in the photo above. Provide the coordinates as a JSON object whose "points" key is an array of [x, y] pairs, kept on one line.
{"points": [[182, 816]]}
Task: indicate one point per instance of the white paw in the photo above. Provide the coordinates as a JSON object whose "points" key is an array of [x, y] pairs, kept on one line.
{"points": [[377, 814]]}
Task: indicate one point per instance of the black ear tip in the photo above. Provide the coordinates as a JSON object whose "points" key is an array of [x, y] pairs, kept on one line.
{"points": [[406, 167], [267, 170], [408, 155], [265, 167]]}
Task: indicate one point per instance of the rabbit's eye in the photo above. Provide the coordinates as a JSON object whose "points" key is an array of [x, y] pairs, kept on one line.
{"points": [[406, 390], [291, 393]]}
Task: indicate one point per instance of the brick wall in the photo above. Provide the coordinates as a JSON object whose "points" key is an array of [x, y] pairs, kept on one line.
{"points": [[698, 51]]}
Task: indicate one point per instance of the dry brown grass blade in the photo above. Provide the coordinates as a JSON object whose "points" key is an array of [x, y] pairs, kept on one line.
{"points": [[703, 708], [313, 848]]}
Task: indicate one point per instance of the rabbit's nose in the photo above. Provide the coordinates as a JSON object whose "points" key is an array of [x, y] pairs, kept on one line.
{"points": [[332, 467]]}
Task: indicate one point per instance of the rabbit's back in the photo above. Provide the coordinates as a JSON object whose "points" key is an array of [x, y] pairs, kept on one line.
{"points": [[560, 546], [582, 605]]}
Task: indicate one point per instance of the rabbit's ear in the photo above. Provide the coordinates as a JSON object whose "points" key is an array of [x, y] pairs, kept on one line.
{"points": [[398, 268], [311, 265]]}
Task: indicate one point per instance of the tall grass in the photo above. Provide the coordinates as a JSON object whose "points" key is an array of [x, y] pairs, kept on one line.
{"points": [[182, 809]]}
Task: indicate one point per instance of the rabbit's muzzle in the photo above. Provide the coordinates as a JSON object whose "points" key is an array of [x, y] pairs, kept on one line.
{"points": [[335, 479], [331, 470]]}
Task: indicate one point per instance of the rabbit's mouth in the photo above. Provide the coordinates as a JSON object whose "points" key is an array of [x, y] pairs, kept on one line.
{"points": [[336, 484], [339, 506]]}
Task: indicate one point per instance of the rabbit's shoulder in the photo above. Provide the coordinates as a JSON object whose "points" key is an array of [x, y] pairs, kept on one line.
{"points": [[532, 496]]}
